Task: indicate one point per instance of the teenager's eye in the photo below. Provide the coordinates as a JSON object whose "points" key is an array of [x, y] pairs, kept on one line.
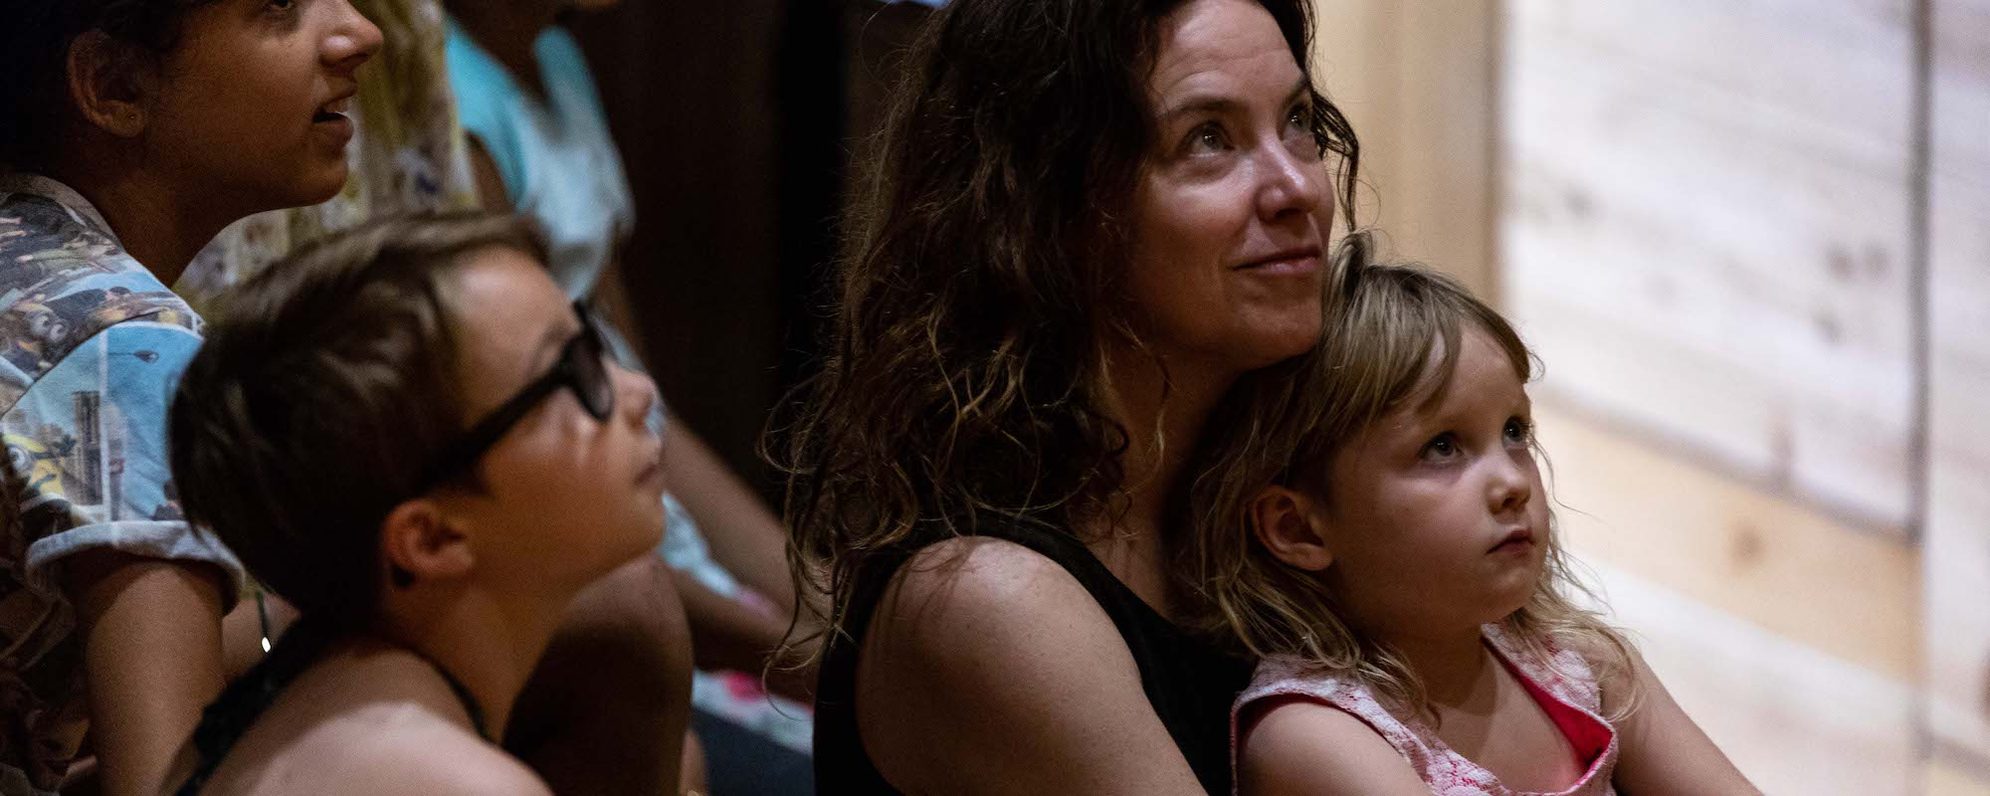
{"points": [[1519, 431], [1206, 139], [1442, 446]]}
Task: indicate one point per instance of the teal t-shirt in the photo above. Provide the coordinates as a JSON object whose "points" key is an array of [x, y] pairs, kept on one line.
{"points": [[558, 163]]}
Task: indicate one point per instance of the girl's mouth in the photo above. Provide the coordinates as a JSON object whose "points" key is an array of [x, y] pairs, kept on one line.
{"points": [[1519, 541]]}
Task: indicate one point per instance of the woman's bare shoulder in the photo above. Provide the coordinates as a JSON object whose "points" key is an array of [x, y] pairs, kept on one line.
{"points": [[989, 608], [990, 666]]}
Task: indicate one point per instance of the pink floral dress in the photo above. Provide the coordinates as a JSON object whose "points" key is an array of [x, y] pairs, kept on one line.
{"points": [[1564, 687]]}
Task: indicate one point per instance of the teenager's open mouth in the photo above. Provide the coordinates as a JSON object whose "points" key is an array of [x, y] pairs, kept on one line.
{"points": [[335, 110]]}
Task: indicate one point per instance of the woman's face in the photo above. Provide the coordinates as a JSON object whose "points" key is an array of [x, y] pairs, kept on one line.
{"points": [[252, 102], [565, 495], [1231, 213]]}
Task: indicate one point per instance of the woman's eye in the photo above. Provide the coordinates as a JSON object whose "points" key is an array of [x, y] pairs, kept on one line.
{"points": [[1519, 431], [1206, 139], [1299, 119]]}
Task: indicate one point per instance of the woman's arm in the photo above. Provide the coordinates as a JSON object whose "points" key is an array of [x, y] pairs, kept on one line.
{"points": [[988, 669], [1304, 748], [1661, 750]]}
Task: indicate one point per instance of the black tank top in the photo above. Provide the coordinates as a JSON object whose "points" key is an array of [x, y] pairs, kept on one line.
{"points": [[1190, 684]]}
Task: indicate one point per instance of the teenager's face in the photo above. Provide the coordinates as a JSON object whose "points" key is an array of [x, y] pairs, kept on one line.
{"points": [[1232, 209], [253, 103], [565, 495], [1436, 516]]}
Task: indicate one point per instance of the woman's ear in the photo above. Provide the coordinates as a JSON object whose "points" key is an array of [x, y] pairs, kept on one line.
{"points": [[1290, 525], [111, 84], [419, 543]]}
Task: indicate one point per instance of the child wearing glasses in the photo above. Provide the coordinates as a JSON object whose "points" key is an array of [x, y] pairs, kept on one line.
{"points": [[1392, 559], [411, 433]]}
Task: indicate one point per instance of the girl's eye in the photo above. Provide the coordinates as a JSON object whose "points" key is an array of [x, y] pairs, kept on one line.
{"points": [[1208, 138], [280, 6], [1443, 446], [1519, 430]]}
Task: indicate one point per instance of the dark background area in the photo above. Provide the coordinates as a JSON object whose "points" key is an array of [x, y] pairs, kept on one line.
{"points": [[738, 122]]}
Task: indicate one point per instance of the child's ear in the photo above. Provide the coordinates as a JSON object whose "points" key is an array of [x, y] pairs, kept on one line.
{"points": [[111, 83], [1290, 525], [419, 543]]}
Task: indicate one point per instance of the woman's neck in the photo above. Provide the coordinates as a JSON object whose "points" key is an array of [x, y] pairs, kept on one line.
{"points": [[1163, 412], [154, 220], [507, 31]]}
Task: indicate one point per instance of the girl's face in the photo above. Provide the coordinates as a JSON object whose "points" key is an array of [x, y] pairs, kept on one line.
{"points": [[1436, 518], [1232, 209], [252, 101], [565, 495]]}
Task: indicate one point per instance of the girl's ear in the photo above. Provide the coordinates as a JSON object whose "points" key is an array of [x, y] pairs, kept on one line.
{"points": [[419, 543], [1291, 525], [111, 84]]}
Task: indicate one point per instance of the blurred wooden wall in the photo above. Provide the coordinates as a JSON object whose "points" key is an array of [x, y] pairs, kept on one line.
{"points": [[1751, 241]]}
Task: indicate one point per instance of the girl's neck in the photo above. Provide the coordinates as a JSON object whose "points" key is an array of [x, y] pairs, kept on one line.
{"points": [[160, 224], [1452, 666], [507, 31], [1164, 416]]}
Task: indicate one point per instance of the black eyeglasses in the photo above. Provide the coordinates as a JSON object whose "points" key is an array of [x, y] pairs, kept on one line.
{"points": [[582, 367]]}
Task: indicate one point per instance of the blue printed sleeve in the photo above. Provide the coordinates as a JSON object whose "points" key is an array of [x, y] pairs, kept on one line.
{"points": [[88, 441]]}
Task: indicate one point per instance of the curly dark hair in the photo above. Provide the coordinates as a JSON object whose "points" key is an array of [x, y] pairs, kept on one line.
{"points": [[964, 378], [34, 50]]}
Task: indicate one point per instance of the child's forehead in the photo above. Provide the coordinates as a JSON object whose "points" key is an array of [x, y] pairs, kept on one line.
{"points": [[1482, 372]]}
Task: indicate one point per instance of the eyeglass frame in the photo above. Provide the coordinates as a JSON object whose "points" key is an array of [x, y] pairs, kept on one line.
{"points": [[464, 452]]}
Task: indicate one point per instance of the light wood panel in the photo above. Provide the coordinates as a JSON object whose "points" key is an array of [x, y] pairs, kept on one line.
{"points": [[1761, 559], [1958, 514], [1945, 776], [1795, 720], [1705, 231], [1415, 78]]}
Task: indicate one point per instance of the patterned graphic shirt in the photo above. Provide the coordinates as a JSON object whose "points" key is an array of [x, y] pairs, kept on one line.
{"points": [[91, 345]]}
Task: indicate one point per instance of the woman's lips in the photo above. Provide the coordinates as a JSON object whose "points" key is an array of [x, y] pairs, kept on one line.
{"points": [[1294, 262]]}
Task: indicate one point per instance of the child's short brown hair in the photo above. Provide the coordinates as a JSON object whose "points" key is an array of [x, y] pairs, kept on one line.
{"points": [[321, 397]]}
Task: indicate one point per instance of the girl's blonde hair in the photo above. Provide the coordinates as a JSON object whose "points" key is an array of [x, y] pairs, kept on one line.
{"points": [[1375, 358]]}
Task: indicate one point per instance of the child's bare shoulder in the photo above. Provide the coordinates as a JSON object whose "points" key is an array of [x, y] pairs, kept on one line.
{"points": [[1303, 746], [384, 748], [436, 757]]}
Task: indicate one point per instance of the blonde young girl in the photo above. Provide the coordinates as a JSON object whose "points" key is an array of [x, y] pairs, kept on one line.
{"points": [[1403, 583]]}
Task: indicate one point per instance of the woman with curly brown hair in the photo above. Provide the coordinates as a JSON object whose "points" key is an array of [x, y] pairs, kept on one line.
{"points": [[1091, 223]]}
